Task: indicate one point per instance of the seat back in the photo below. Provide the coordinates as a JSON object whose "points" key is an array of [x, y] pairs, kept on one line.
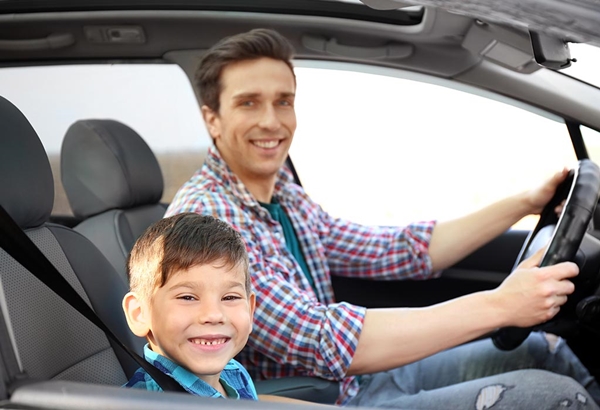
{"points": [[49, 338], [113, 183]]}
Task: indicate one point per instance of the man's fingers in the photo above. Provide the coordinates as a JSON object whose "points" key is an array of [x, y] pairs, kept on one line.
{"points": [[566, 287], [560, 300], [534, 260]]}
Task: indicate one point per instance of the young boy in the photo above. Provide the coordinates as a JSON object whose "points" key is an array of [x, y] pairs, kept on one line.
{"points": [[190, 298]]}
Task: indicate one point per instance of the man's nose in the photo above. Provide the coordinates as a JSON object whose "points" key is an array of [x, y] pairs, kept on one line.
{"points": [[269, 118]]}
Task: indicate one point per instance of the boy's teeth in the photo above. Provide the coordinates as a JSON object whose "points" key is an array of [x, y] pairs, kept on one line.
{"points": [[209, 342]]}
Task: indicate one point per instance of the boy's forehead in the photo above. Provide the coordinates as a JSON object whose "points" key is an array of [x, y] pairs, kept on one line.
{"points": [[217, 272]]}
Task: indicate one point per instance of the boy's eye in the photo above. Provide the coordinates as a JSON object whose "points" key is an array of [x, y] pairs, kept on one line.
{"points": [[231, 297], [186, 297]]}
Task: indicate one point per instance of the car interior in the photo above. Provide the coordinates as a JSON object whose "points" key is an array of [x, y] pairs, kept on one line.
{"points": [[54, 358]]}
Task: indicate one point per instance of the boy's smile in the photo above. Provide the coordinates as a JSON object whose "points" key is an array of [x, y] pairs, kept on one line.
{"points": [[201, 318]]}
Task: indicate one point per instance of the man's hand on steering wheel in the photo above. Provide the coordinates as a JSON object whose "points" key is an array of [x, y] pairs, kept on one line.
{"points": [[531, 295], [540, 196], [557, 239]]}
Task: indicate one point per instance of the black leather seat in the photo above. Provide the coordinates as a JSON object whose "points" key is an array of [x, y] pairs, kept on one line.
{"points": [[114, 185], [51, 340]]}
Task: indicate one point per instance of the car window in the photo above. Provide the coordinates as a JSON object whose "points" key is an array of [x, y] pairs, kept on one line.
{"points": [[156, 100], [592, 142], [381, 149], [372, 148]]}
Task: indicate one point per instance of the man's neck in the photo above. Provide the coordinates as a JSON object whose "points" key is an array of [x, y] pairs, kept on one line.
{"points": [[262, 190]]}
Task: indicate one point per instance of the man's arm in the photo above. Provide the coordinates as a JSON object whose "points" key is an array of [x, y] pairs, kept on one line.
{"points": [[453, 240], [528, 296]]}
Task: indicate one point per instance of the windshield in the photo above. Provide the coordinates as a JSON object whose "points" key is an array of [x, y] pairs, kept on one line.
{"points": [[587, 66]]}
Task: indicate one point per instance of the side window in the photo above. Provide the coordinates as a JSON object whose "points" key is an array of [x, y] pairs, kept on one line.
{"points": [[157, 101], [385, 150], [592, 142]]}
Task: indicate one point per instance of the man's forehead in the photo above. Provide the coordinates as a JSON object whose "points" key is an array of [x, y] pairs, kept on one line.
{"points": [[257, 77]]}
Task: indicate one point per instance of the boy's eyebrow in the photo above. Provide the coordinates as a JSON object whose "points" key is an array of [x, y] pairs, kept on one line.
{"points": [[193, 285]]}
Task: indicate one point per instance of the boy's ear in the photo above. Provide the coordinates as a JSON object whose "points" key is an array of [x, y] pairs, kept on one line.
{"points": [[252, 301], [212, 121], [138, 318]]}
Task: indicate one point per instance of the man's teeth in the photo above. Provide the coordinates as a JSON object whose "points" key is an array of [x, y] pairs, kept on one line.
{"points": [[266, 144], [209, 342]]}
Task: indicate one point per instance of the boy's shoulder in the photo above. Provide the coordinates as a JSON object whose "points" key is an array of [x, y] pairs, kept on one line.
{"points": [[142, 380]]}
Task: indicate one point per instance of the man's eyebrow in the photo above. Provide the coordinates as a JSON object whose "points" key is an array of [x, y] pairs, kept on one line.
{"points": [[284, 94], [246, 95]]}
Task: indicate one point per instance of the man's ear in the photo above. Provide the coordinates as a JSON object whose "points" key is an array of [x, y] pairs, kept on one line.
{"points": [[212, 121], [136, 312]]}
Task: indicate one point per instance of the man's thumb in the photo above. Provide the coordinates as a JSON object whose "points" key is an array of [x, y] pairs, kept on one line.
{"points": [[535, 259]]}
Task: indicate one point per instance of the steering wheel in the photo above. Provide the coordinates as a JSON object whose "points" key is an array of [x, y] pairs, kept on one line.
{"points": [[563, 234]]}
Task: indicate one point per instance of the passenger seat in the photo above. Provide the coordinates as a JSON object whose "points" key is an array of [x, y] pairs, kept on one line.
{"points": [[113, 183], [49, 339]]}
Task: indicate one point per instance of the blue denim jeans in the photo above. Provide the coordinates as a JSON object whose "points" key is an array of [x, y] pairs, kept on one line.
{"points": [[542, 373]]}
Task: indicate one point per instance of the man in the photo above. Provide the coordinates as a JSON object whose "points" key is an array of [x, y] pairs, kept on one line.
{"points": [[247, 85]]}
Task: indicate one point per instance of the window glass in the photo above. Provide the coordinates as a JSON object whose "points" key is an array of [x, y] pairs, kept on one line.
{"points": [[157, 101], [592, 143], [387, 150]]}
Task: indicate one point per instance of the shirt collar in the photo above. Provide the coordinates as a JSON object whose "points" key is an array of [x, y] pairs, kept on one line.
{"points": [[217, 164], [188, 380]]}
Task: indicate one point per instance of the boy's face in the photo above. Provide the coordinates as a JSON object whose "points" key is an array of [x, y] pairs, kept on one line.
{"points": [[201, 318], [256, 121]]}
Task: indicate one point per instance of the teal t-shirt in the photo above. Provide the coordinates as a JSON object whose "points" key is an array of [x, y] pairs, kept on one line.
{"points": [[291, 240]]}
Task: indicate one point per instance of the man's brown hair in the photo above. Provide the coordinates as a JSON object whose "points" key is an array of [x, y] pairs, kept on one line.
{"points": [[251, 45], [178, 243]]}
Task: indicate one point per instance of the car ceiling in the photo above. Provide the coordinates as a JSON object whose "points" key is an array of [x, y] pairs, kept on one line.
{"points": [[448, 44]]}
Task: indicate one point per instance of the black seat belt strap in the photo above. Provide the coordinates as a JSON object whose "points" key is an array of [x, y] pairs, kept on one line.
{"points": [[18, 245]]}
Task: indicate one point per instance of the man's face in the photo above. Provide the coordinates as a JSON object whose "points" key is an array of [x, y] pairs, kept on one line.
{"points": [[254, 127], [201, 318]]}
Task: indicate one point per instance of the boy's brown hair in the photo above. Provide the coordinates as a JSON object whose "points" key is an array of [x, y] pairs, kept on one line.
{"points": [[181, 242], [251, 45]]}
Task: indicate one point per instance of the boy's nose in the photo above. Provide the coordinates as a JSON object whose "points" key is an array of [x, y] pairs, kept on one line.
{"points": [[211, 313]]}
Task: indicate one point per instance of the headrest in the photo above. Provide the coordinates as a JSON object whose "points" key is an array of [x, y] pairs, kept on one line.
{"points": [[107, 165], [26, 184]]}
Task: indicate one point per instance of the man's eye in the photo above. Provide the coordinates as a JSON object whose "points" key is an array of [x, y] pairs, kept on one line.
{"points": [[285, 103], [247, 103]]}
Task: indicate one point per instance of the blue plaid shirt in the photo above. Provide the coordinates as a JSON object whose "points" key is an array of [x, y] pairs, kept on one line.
{"points": [[298, 330], [234, 378]]}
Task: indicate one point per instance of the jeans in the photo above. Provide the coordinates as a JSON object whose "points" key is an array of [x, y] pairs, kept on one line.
{"points": [[542, 373]]}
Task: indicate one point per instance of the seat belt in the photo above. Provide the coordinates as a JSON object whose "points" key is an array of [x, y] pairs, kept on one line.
{"points": [[18, 245]]}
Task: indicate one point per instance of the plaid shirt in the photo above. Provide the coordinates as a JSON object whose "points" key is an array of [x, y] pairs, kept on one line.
{"points": [[297, 331], [234, 378]]}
